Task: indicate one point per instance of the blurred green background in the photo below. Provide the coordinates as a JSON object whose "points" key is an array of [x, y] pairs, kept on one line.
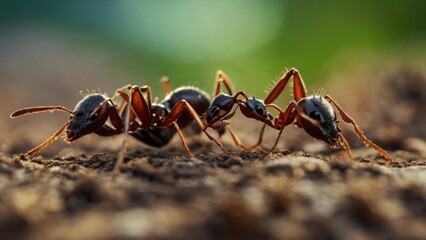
{"points": [[118, 42]]}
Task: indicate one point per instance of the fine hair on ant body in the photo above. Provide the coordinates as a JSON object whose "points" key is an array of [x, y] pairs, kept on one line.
{"points": [[152, 123], [315, 114]]}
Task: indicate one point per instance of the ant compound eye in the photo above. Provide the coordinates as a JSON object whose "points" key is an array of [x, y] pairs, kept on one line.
{"points": [[260, 110], [213, 111], [315, 115], [94, 116]]}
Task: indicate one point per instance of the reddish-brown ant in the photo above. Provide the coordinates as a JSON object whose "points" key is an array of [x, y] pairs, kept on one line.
{"points": [[153, 123], [315, 114]]}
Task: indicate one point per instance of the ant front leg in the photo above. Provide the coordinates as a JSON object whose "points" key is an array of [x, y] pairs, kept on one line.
{"points": [[142, 109], [284, 119], [345, 145], [125, 98], [115, 120], [260, 140], [174, 115], [222, 125], [358, 131], [288, 117], [299, 89], [236, 140]]}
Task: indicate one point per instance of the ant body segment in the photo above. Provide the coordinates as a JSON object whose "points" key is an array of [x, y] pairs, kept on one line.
{"points": [[315, 114]]}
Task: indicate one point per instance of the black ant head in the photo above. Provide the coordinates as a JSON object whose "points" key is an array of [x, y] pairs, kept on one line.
{"points": [[254, 108], [85, 119], [219, 109], [319, 109]]}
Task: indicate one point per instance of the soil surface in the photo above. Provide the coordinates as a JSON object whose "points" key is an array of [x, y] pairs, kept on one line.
{"points": [[303, 190]]}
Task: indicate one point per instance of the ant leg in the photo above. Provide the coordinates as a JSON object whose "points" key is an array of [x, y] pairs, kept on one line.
{"points": [[276, 141], [122, 153], [299, 89], [125, 98], [177, 111], [142, 109], [147, 90], [106, 131], [111, 113], [240, 93], [236, 140], [276, 126], [285, 118], [46, 143], [166, 85], [117, 123], [140, 105], [133, 125], [115, 120], [358, 131], [260, 140], [345, 145], [182, 139], [222, 78]]}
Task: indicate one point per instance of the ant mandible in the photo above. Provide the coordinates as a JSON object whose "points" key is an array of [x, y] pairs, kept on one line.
{"points": [[315, 114], [154, 124]]}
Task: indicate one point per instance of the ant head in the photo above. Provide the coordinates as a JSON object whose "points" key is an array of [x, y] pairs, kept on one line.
{"points": [[219, 109], [254, 108], [318, 108], [86, 117]]}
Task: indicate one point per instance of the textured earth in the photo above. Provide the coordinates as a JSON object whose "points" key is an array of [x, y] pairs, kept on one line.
{"points": [[303, 190]]}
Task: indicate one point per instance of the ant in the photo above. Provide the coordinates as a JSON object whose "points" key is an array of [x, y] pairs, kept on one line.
{"points": [[152, 123], [315, 114], [222, 108]]}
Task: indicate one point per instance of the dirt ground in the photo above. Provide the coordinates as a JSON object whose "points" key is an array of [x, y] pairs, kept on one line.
{"points": [[304, 190]]}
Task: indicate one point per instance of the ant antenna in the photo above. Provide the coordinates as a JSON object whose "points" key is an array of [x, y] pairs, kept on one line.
{"points": [[31, 110], [46, 143]]}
